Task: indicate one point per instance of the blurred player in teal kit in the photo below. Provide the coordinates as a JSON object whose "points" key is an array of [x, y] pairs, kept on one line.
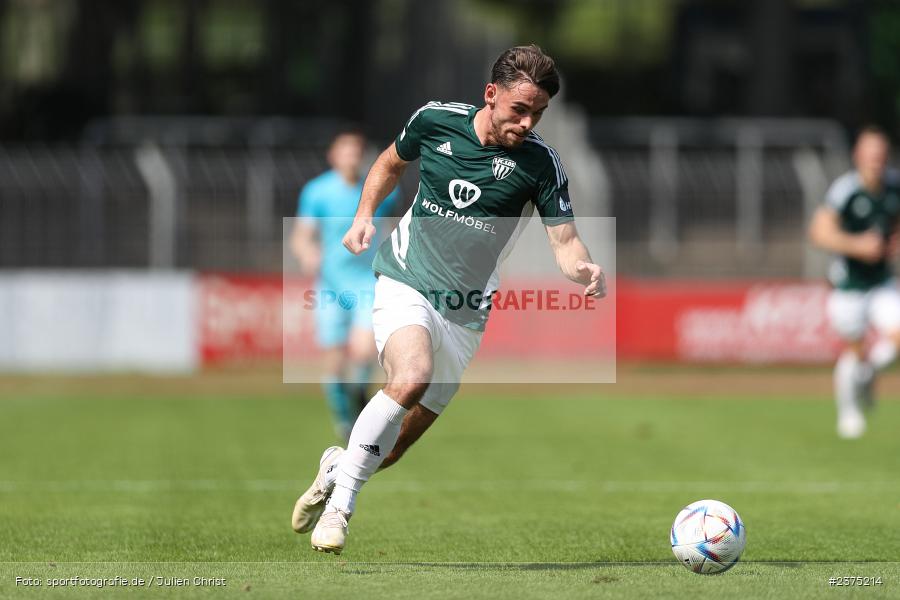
{"points": [[345, 284]]}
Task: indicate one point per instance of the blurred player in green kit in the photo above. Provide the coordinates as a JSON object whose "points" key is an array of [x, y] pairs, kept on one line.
{"points": [[858, 223]]}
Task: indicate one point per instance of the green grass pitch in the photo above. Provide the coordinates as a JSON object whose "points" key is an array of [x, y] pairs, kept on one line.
{"points": [[528, 494]]}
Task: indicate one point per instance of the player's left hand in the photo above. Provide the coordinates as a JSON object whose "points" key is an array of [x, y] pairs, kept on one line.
{"points": [[597, 280], [359, 236]]}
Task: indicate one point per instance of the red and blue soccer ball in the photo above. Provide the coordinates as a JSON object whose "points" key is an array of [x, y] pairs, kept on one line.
{"points": [[708, 537]]}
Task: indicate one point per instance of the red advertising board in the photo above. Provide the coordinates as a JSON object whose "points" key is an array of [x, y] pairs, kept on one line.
{"points": [[740, 322], [239, 317], [242, 318]]}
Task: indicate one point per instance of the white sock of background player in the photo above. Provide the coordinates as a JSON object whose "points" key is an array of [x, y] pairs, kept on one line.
{"points": [[882, 354], [373, 437], [845, 384]]}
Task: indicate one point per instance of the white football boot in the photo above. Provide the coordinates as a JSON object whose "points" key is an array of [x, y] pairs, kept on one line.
{"points": [[851, 425], [330, 532], [310, 505]]}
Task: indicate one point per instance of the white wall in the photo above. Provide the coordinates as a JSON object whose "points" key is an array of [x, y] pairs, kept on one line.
{"points": [[97, 321]]}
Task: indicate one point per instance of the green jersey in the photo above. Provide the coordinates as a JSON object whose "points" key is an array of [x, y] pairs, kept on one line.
{"points": [[860, 210], [472, 203]]}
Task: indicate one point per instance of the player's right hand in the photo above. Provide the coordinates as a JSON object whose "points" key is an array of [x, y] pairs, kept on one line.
{"points": [[892, 248], [869, 247], [310, 262], [359, 236]]}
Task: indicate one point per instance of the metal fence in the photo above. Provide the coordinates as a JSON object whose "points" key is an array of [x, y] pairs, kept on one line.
{"points": [[707, 199], [717, 198]]}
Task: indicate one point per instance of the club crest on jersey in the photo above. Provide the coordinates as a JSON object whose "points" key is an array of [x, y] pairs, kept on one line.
{"points": [[503, 167], [862, 207]]}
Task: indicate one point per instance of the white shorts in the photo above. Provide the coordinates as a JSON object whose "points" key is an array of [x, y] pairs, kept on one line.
{"points": [[452, 346], [851, 311]]}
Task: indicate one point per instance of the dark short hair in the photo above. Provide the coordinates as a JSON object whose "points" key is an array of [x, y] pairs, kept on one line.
{"points": [[872, 129], [527, 63], [351, 131]]}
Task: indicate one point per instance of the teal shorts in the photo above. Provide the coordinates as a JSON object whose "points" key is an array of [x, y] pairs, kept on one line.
{"points": [[340, 310]]}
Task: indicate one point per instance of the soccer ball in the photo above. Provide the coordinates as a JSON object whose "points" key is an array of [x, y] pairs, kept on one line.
{"points": [[708, 536]]}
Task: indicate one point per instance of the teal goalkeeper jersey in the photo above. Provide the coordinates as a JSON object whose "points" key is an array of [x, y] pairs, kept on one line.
{"points": [[860, 210], [471, 204]]}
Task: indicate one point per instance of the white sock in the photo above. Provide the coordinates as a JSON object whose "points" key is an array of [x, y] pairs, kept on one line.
{"points": [[882, 354], [864, 372], [373, 437], [845, 380]]}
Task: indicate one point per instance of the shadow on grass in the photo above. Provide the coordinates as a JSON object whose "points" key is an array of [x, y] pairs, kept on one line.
{"points": [[375, 568], [352, 568]]}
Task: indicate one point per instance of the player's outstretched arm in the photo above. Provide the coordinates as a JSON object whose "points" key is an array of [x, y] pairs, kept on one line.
{"points": [[382, 179], [574, 260], [826, 233]]}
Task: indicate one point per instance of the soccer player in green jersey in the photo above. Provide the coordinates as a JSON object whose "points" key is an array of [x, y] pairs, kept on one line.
{"points": [[858, 223], [482, 172]]}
